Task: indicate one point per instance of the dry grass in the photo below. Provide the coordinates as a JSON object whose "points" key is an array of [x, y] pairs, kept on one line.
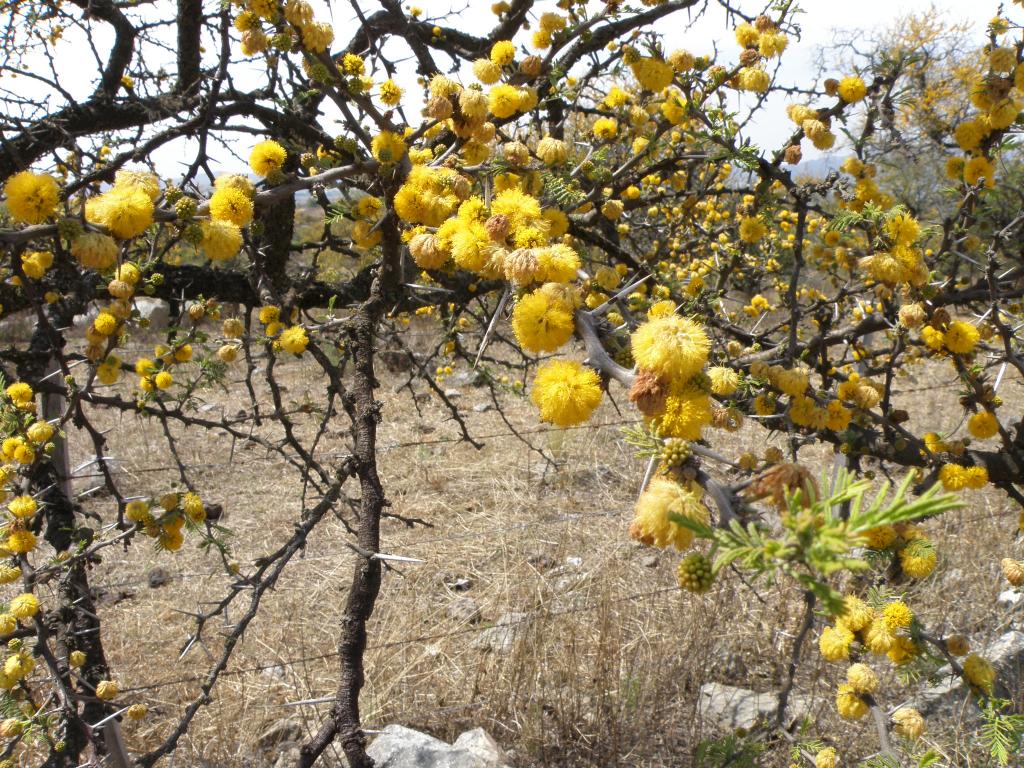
{"points": [[609, 656]]}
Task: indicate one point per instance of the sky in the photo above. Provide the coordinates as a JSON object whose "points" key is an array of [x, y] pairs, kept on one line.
{"points": [[799, 63]]}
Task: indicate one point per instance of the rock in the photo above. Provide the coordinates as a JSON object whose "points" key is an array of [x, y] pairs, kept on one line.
{"points": [[401, 747], [473, 378], [287, 755], [649, 561], [501, 638], [478, 742], [540, 559], [453, 581], [574, 561], [731, 707], [281, 731], [276, 672], [452, 394], [482, 407], [155, 311], [948, 697], [1009, 598], [465, 610], [157, 578]]}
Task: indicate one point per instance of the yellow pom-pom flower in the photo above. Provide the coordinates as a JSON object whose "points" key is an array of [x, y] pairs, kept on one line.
{"points": [[23, 507], [651, 524], [979, 672], [294, 340], [221, 240], [388, 147], [826, 758], [961, 338], [983, 425], [850, 705], [267, 157], [542, 323], [908, 723], [852, 89], [24, 606], [674, 348], [566, 392], [834, 643], [230, 204], [125, 211], [863, 678], [503, 52], [31, 197]]}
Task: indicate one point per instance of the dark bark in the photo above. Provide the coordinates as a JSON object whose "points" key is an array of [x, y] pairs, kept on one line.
{"points": [[343, 721]]}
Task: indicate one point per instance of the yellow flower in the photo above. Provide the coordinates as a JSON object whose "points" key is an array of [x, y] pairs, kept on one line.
{"points": [[22, 506], [105, 323], [751, 229], [979, 672], [31, 197], [486, 71], [94, 250], [142, 180], [163, 380], [229, 204], [552, 151], [834, 643], [918, 558], [390, 93], [606, 128], [862, 678], [388, 147], [908, 723], [754, 79], [961, 337], [503, 52], [521, 209], [978, 168], [124, 211], [850, 705], [652, 74], [566, 392], [20, 541], [897, 615], [106, 690], [557, 264], [852, 89], [542, 323], [267, 157], [193, 507], [856, 613], [724, 381], [826, 758], [24, 606], [503, 101], [294, 340], [651, 524], [221, 239], [687, 412], [674, 348]]}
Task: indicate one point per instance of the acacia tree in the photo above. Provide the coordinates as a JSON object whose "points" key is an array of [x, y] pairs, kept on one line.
{"points": [[566, 180]]}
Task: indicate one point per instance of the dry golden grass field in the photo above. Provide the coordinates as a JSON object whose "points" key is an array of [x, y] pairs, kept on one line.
{"points": [[605, 655]]}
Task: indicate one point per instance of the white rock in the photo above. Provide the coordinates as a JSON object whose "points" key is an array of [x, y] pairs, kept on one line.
{"points": [[156, 311], [952, 694], [401, 747], [1009, 598], [502, 637], [731, 707]]}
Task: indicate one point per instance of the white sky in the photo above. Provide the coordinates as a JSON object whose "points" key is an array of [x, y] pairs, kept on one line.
{"points": [[819, 23]]}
